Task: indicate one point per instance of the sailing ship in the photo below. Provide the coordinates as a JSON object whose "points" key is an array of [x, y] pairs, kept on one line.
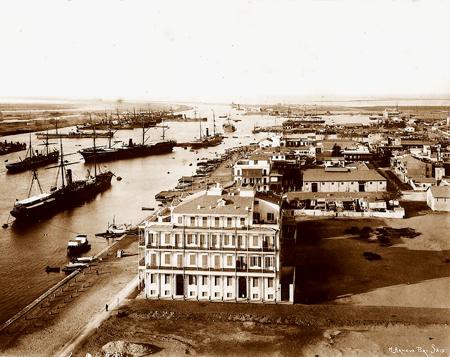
{"points": [[127, 121], [76, 134], [70, 194], [34, 159], [8, 147], [228, 127], [207, 140], [129, 151]]}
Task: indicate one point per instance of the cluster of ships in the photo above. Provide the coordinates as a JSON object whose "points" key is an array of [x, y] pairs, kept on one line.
{"points": [[73, 192], [7, 147]]}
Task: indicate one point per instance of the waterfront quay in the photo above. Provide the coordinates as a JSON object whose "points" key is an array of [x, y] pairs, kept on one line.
{"points": [[61, 315]]}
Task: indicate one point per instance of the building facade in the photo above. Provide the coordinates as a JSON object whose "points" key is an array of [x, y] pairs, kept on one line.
{"points": [[438, 198], [358, 179], [255, 172], [214, 246]]}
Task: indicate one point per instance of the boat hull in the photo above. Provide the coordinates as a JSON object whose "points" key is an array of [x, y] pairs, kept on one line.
{"points": [[127, 152], [75, 135], [33, 163], [62, 199]]}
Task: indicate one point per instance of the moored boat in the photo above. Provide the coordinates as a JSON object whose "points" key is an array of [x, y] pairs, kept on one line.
{"points": [[129, 151], [71, 193], [78, 245], [228, 127], [74, 266], [76, 135], [7, 147], [34, 159]]}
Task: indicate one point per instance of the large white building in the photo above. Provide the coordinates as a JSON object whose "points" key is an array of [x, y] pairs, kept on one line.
{"points": [[214, 246]]}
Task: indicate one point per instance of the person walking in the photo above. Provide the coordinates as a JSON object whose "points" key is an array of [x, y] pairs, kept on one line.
{"points": [[106, 307]]}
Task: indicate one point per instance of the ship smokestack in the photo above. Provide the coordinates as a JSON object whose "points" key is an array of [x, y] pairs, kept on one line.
{"points": [[69, 176]]}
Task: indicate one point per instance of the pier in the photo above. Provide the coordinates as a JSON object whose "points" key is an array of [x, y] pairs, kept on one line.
{"points": [[67, 290]]}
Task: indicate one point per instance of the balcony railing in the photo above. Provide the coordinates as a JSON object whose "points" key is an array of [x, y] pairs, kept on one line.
{"points": [[205, 269], [225, 249]]}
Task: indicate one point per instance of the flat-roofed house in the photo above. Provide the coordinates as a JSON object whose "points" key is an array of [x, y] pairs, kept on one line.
{"points": [[254, 171], [438, 198], [343, 179]]}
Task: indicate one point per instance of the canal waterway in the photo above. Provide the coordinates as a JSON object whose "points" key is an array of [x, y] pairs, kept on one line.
{"points": [[26, 251]]}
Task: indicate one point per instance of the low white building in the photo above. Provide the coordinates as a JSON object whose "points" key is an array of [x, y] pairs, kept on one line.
{"points": [[343, 179], [438, 198]]}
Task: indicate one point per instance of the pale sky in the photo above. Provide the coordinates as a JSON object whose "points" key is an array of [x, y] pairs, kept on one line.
{"points": [[224, 50]]}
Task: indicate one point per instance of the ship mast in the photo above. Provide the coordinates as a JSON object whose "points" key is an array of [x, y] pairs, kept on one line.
{"points": [[46, 143], [214, 122], [34, 178], [62, 163], [200, 123], [31, 149], [143, 131], [95, 156]]}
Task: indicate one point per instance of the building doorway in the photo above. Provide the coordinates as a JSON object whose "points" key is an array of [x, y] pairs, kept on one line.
{"points": [[179, 285], [362, 186], [242, 287], [314, 187]]}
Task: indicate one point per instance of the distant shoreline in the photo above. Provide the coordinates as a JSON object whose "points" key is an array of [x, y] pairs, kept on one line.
{"points": [[27, 117]]}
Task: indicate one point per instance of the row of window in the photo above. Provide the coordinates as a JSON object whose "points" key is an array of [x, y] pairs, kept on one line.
{"points": [[203, 280], [215, 261], [211, 240], [343, 183], [217, 294], [203, 221]]}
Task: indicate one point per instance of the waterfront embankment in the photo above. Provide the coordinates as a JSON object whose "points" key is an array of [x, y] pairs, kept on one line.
{"points": [[54, 321]]}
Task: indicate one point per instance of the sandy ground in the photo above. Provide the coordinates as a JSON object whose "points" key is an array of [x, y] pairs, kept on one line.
{"points": [[434, 238], [226, 329], [48, 327], [392, 340], [411, 272]]}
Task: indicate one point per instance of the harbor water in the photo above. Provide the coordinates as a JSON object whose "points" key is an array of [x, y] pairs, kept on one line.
{"points": [[27, 250]]}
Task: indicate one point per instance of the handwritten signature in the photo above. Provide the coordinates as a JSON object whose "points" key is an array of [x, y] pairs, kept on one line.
{"points": [[418, 349]]}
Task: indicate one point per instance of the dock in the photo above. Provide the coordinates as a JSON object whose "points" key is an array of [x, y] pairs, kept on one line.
{"points": [[55, 289]]}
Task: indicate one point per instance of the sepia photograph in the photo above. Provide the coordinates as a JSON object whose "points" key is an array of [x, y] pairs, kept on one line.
{"points": [[224, 178]]}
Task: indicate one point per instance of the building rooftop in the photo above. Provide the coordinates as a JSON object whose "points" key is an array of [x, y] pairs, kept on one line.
{"points": [[216, 205], [361, 173], [328, 144], [440, 191], [328, 156], [423, 179], [259, 156], [414, 142]]}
